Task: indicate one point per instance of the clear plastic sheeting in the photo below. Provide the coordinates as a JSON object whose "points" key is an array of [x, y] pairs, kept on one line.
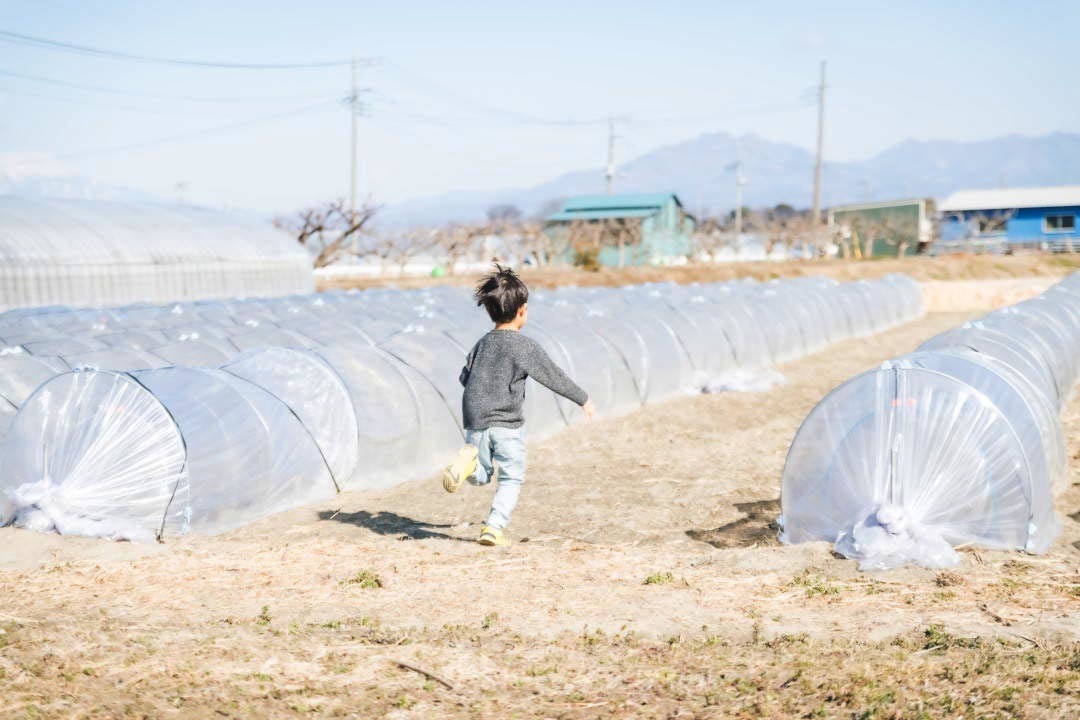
{"points": [[315, 393], [93, 253], [248, 453], [77, 469], [959, 443], [272, 403]]}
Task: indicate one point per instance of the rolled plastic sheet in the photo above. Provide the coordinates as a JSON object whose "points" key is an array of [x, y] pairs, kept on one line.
{"points": [[95, 453], [960, 443], [272, 403]]}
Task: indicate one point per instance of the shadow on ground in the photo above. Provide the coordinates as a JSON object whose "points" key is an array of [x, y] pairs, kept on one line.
{"points": [[389, 523], [757, 528]]}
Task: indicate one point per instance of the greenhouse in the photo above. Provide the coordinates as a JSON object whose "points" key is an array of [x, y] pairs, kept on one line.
{"points": [[146, 421], [92, 254], [959, 443]]}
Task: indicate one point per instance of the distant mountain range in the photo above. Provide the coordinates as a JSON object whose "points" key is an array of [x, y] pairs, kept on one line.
{"points": [[698, 170]]}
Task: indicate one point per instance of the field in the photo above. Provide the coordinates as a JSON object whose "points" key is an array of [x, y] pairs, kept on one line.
{"points": [[944, 268], [646, 581]]}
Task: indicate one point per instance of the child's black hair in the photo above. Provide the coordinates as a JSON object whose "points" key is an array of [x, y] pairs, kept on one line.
{"points": [[501, 293]]}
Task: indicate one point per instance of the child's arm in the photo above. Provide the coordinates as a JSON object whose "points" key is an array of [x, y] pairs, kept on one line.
{"points": [[463, 378], [541, 368]]}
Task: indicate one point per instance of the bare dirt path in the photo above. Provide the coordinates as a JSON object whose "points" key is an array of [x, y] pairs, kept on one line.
{"points": [[646, 582]]}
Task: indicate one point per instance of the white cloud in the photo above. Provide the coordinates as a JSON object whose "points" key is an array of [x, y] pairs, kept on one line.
{"points": [[21, 165]]}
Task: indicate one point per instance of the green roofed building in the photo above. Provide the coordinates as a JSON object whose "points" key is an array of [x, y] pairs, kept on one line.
{"points": [[641, 229], [884, 229]]}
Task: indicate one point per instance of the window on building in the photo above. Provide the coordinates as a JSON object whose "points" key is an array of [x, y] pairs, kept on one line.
{"points": [[1059, 223], [989, 224]]}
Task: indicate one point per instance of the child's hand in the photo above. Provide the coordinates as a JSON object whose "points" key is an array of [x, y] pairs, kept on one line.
{"points": [[589, 409]]}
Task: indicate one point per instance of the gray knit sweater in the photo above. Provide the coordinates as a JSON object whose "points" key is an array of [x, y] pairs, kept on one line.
{"points": [[494, 378]]}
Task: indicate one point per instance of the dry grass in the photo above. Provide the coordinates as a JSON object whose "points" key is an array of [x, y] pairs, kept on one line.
{"points": [[355, 669], [948, 267], [650, 585]]}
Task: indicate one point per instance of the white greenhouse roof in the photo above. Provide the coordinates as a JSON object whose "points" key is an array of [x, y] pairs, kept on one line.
{"points": [[63, 231], [1012, 198]]}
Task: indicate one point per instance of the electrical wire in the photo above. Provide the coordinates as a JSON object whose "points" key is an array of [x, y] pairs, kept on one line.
{"points": [[46, 44], [203, 132], [472, 103], [84, 103], [128, 93]]}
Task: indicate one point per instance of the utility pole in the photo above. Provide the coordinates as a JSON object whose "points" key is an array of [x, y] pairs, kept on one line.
{"points": [[739, 182], [609, 174], [815, 214], [354, 112]]}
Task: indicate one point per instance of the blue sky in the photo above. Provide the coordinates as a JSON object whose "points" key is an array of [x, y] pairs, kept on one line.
{"points": [[461, 94]]}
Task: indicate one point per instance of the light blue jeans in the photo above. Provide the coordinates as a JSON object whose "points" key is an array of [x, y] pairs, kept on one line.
{"points": [[503, 448]]}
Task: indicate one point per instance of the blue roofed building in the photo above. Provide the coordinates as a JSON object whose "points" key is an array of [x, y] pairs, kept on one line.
{"points": [[1036, 218], [634, 229]]}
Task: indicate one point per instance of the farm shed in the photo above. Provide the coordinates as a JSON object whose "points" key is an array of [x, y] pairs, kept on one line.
{"points": [[659, 229], [883, 229], [90, 253], [1042, 218]]}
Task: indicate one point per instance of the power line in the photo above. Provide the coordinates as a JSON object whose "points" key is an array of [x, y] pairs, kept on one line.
{"points": [[158, 96], [84, 103], [523, 118], [217, 130], [46, 44]]}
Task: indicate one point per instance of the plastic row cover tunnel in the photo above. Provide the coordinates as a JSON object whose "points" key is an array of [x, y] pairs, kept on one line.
{"points": [[628, 346], [205, 416], [960, 442]]}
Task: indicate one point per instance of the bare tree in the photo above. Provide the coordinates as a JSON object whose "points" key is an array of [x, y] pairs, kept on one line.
{"points": [[538, 243], [898, 234], [457, 241], [895, 231], [712, 236], [788, 229], [398, 247], [588, 238], [844, 239], [506, 214], [624, 234], [330, 231], [585, 241]]}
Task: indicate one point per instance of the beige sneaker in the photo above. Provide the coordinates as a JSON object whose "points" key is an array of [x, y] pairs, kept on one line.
{"points": [[461, 469], [492, 537]]}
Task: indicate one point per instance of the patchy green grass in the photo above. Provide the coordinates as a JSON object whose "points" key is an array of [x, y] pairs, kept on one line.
{"points": [[815, 584], [364, 579], [240, 670], [660, 578]]}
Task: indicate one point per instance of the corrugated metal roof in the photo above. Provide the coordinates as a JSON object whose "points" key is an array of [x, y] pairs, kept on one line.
{"points": [[1012, 198], [856, 207], [602, 214], [623, 202]]}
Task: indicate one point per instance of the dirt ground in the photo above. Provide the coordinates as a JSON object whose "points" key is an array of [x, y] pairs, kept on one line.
{"points": [[944, 267], [646, 581]]}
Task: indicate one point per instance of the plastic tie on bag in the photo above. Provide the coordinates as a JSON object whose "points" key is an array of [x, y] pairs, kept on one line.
{"points": [[888, 537], [39, 506], [742, 380]]}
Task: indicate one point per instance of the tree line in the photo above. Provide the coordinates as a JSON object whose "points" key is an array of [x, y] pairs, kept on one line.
{"points": [[334, 232]]}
